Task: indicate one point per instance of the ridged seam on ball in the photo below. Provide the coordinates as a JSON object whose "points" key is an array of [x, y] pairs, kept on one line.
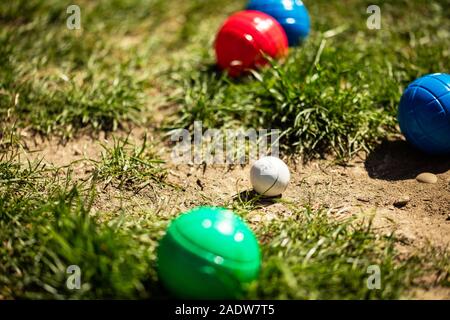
{"points": [[197, 250], [436, 76], [435, 99], [273, 185], [415, 89], [438, 100], [276, 180]]}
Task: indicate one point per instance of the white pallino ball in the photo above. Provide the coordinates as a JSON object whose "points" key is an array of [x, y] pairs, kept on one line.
{"points": [[270, 176]]}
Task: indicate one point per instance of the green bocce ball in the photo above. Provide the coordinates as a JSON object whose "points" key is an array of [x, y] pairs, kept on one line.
{"points": [[208, 253]]}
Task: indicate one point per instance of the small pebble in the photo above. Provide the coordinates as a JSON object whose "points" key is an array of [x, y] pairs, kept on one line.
{"points": [[403, 201], [363, 199], [427, 178]]}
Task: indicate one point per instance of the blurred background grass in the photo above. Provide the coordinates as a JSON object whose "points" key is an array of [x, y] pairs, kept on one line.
{"points": [[133, 56]]}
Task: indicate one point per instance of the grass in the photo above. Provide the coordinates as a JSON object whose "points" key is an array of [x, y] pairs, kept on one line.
{"points": [[55, 80], [130, 165], [58, 80], [337, 94], [50, 100], [47, 224], [311, 256]]}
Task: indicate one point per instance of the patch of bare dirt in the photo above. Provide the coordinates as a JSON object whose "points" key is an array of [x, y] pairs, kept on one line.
{"points": [[373, 184], [343, 190], [368, 185]]}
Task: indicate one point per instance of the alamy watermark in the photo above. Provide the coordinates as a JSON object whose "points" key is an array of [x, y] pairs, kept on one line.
{"points": [[374, 280], [374, 20], [73, 281], [230, 147], [73, 22]]}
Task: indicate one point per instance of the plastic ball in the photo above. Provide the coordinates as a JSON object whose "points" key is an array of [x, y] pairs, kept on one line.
{"points": [[291, 14], [424, 113], [245, 38], [208, 253], [270, 176]]}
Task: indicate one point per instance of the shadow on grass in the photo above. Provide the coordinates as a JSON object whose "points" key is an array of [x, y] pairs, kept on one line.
{"points": [[250, 196], [398, 160]]}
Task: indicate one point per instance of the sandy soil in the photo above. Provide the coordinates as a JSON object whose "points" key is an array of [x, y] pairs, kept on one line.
{"points": [[369, 185]]}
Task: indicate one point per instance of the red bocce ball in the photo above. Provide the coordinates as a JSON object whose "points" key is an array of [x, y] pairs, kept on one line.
{"points": [[244, 39]]}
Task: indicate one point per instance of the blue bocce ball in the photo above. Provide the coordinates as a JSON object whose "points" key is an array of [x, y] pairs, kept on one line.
{"points": [[424, 113], [291, 14]]}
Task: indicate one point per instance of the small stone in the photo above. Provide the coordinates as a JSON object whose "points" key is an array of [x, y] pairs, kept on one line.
{"points": [[427, 177], [256, 218], [403, 201], [448, 217], [406, 237], [363, 199]]}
